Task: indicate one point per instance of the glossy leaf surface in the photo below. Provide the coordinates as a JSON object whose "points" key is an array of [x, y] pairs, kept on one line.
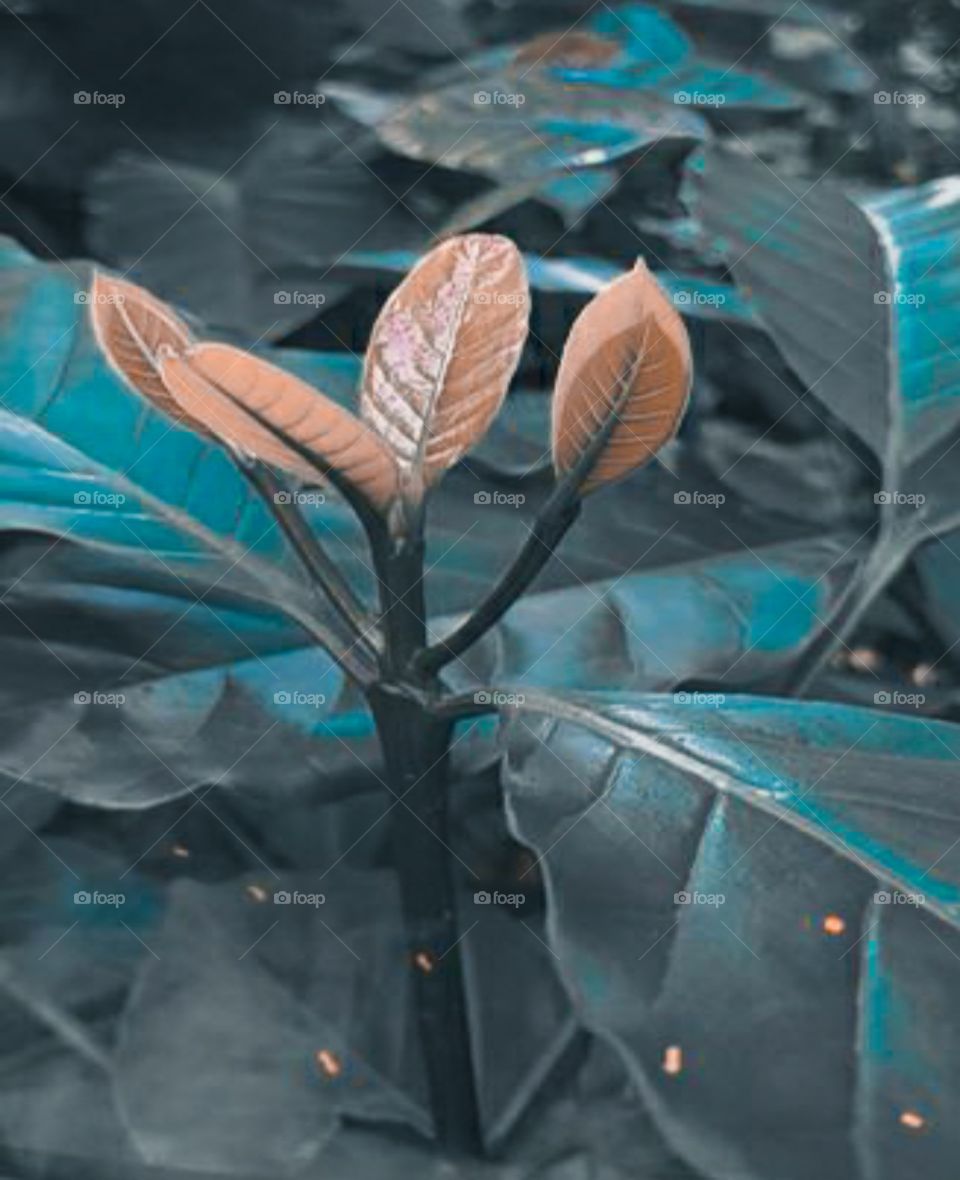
{"points": [[772, 888]]}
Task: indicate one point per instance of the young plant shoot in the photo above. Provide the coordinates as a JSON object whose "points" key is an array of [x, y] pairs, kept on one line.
{"points": [[439, 364]]}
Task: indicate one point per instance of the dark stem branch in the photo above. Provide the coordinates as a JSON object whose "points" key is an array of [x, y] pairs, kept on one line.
{"points": [[559, 513], [416, 754], [318, 564], [416, 751]]}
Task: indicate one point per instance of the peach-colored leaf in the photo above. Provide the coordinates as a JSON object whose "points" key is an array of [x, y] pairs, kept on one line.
{"points": [[626, 368], [132, 327], [442, 353], [243, 400]]}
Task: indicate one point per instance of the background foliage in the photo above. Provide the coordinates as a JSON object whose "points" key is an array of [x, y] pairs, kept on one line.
{"points": [[808, 511]]}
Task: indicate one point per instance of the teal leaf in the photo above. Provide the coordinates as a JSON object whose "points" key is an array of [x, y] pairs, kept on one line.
{"points": [[772, 890], [859, 293]]}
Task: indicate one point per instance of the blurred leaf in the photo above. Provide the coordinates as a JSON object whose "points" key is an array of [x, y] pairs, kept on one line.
{"points": [[228, 1014], [575, 194], [859, 295], [518, 124], [275, 224], [805, 820], [736, 617]]}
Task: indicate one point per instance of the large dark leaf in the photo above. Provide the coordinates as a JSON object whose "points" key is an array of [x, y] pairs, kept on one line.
{"points": [[860, 296], [514, 126], [773, 890], [217, 1065], [189, 599]]}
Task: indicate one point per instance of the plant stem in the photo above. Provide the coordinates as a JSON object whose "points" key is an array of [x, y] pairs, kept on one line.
{"points": [[559, 513], [415, 748], [868, 582], [312, 555], [416, 754]]}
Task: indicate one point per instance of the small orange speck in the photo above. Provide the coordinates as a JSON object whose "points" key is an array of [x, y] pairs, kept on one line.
{"points": [[673, 1060], [425, 961], [256, 893], [329, 1063], [834, 924], [180, 851], [912, 1120], [863, 659]]}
